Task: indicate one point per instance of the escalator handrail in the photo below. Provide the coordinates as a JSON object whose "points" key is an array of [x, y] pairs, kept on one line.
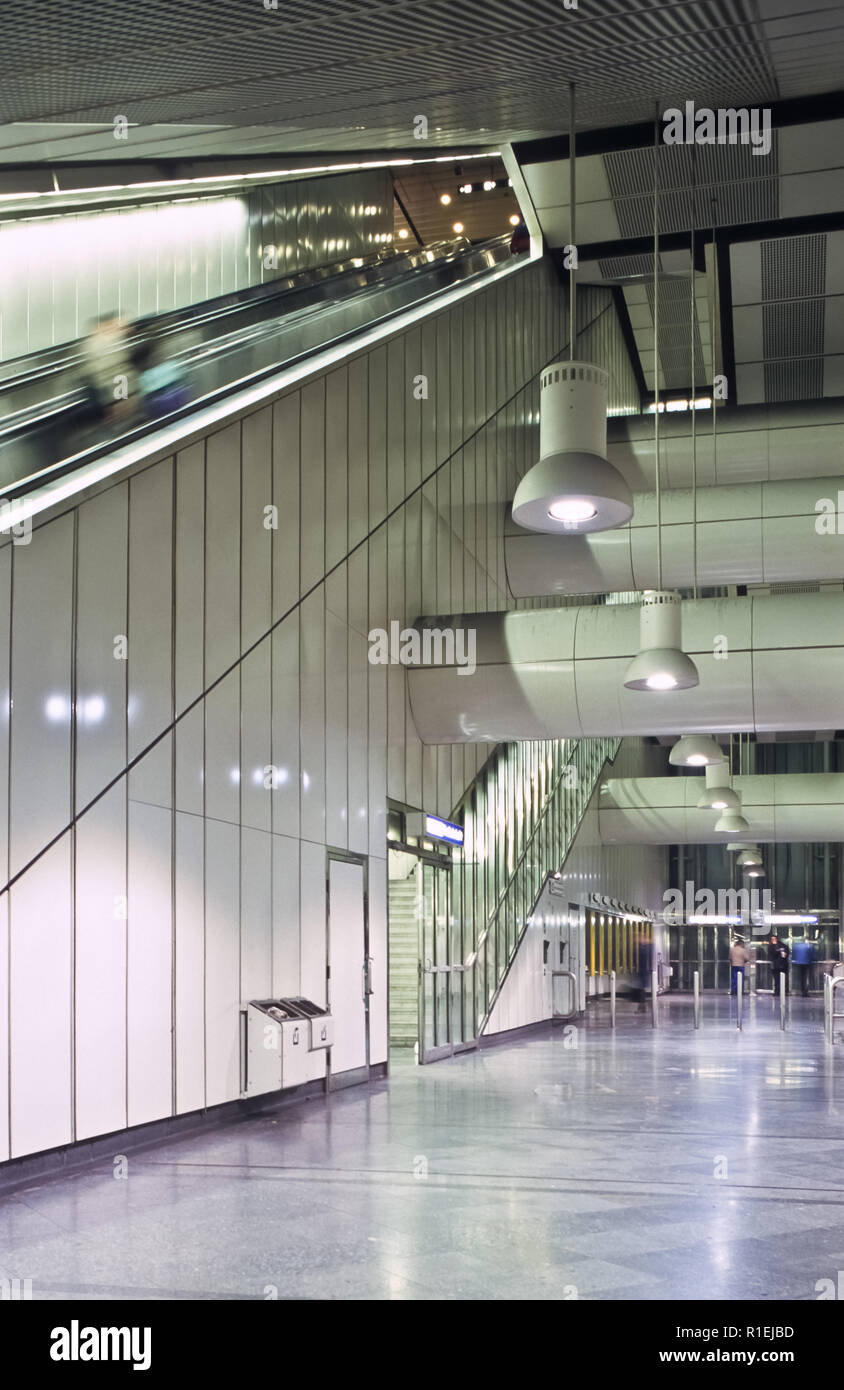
{"points": [[62, 467]]}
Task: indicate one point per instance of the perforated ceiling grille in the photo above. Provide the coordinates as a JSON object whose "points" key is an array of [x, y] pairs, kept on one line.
{"points": [[793, 267], [794, 381], [743, 185], [675, 333], [793, 310], [353, 73]]}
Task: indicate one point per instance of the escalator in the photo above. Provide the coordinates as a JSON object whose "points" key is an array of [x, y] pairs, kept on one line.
{"points": [[217, 348]]}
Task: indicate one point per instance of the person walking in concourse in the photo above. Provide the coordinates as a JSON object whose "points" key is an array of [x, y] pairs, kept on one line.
{"points": [[804, 955], [779, 953], [739, 958]]}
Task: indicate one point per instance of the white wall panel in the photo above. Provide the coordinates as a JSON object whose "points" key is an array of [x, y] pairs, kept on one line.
{"points": [[312, 485], [150, 673], [256, 944], [222, 551], [101, 619], [312, 928], [336, 732], [358, 746], [285, 499], [358, 439], [222, 962], [42, 620], [40, 1024], [149, 964], [285, 922], [312, 717], [256, 760], [285, 727], [100, 951], [336, 466], [189, 962], [222, 750], [189, 574], [256, 533]]}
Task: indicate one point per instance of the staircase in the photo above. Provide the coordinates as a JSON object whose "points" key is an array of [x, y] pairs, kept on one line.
{"points": [[404, 959], [551, 806]]}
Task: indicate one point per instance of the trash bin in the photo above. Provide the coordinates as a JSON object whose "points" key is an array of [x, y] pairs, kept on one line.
{"points": [[281, 1035]]}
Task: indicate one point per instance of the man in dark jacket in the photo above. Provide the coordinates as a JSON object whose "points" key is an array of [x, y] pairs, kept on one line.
{"points": [[779, 953], [804, 955]]}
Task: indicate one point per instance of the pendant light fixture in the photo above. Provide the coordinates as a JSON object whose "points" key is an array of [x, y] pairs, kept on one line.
{"points": [[696, 750], [661, 664], [719, 795], [573, 488], [749, 858], [732, 823]]}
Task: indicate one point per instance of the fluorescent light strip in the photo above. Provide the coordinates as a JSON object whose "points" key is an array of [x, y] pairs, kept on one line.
{"points": [[267, 175], [174, 436]]}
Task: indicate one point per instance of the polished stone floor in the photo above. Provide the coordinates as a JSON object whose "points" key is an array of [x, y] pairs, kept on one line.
{"points": [[645, 1164]]}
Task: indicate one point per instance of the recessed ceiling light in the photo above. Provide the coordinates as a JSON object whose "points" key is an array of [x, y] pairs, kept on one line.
{"points": [[458, 227], [445, 199]]}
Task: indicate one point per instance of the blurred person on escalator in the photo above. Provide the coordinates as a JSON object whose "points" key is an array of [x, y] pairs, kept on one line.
{"points": [[161, 380], [108, 378], [520, 240]]}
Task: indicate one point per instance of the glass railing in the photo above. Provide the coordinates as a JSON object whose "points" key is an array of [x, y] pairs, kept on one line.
{"points": [[520, 817]]}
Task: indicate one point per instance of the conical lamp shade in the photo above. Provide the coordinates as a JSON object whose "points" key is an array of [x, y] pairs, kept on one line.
{"points": [[696, 750], [719, 795], [732, 822], [661, 663], [573, 489]]}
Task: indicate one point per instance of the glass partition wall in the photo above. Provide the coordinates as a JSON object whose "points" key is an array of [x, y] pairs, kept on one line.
{"points": [[519, 819]]}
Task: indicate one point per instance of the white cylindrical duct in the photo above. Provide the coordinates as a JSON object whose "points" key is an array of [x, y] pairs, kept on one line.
{"points": [[573, 409], [755, 443], [749, 533], [784, 807], [764, 664]]}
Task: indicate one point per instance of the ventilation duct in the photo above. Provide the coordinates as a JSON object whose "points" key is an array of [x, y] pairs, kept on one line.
{"points": [[805, 807], [764, 664], [755, 533]]}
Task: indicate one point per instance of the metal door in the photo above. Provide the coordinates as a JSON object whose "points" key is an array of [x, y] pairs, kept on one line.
{"points": [[350, 969]]}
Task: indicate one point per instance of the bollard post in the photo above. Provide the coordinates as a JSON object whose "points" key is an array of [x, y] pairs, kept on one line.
{"points": [[654, 991], [612, 998], [782, 999], [696, 987], [827, 1008], [739, 999]]}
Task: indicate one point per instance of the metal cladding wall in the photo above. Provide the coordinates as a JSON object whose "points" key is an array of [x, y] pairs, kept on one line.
{"points": [[192, 885], [57, 274]]}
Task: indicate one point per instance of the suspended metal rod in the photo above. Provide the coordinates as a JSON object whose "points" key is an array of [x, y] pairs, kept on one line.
{"points": [[693, 386], [656, 351], [572, 226]]}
